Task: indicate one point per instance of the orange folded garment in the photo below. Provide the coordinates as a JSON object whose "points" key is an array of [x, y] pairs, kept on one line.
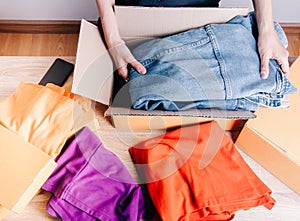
{"points": [[196, 173], [44, 116]]}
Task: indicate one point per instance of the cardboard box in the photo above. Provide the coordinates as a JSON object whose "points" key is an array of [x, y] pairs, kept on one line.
{"points": [[23, 170], [273, 139], [93, 74]]}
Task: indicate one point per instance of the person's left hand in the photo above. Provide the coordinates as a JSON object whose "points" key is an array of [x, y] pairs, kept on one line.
{"points": [[269, 46]]}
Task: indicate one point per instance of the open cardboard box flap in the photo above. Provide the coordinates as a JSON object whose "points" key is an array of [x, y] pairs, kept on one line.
{"points": [[94, 68], [144, 22], [93, 73], [273, 140], [24, 169]]}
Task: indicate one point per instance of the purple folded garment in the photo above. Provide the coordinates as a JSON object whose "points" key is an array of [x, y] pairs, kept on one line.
{"points": [[91, 183]]}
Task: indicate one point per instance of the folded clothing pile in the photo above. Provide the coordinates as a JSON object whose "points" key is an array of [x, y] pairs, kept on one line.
{"points": [[91, 183], [196, 173], [215, 66]]}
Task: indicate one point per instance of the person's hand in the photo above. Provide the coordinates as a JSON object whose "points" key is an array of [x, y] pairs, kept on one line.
{"points": [[269, 46], [122, 58]]}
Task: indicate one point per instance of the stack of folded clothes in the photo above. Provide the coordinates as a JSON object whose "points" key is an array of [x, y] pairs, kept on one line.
{"points": [[91, 183], [215, 66], [196, 173]]}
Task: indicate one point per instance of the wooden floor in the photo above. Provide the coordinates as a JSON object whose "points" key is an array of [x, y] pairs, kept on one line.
{"points": [[294, 45], [26, 44]]}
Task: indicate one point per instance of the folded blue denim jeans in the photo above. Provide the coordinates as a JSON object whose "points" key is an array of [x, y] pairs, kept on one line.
{"points": [[214, 66]]}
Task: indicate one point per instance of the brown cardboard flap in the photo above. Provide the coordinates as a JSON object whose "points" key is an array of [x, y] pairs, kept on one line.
{"points": [[93, 76], [135, 22], [23, 170], [282, 126], [273, 140], [209, 113], [270, 156]]}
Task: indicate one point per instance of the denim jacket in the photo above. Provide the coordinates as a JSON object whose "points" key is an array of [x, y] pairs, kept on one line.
{"points": [[215, 66]]}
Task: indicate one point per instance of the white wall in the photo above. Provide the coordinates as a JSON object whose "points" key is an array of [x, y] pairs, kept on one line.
{"points": [[284, 11], [48, 9]]}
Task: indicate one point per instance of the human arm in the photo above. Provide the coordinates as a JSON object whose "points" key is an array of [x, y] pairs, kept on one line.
{"points": [[269, 45], [116, 46]]}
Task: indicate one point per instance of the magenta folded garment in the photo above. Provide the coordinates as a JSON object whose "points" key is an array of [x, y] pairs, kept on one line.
{"points": [[91, 183]]}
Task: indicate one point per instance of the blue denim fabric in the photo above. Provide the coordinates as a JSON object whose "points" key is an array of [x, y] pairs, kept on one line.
{"points": [[215, 66]]}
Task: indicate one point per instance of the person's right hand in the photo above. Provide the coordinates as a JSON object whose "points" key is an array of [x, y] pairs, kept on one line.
{"points": [[269, 46], [123, 57]]}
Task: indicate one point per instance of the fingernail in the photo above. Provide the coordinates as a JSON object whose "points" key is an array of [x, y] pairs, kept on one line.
{"points": [[264, 75], [142, 70]]}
